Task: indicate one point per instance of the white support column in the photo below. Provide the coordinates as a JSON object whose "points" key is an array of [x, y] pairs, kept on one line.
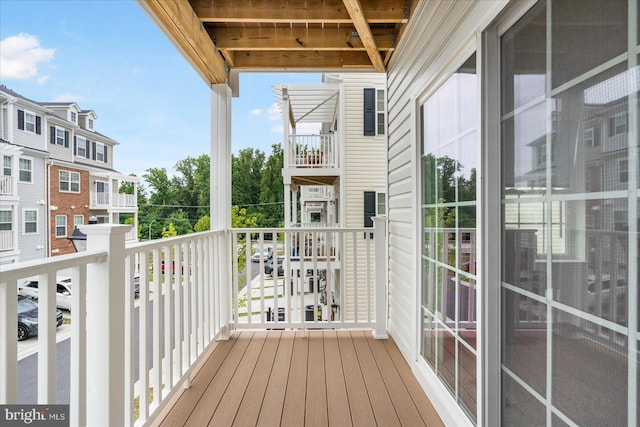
{"points": [[221, 195], [8, 343], [294, 206], [380, 280], [106, 342], [287, 205]]}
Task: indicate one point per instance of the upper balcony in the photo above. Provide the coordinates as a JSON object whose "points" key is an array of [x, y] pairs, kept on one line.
{"points": [[105, 200], [7, 187], [6, 240]]}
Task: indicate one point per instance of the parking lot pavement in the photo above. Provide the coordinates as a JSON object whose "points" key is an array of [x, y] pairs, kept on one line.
{"points": [[30, 345]]}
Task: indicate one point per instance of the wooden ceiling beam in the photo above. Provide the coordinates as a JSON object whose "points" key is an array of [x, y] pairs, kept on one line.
{"points": [[270, 38], [301, 60], [180, 22], [295, 11], [360, 22]]}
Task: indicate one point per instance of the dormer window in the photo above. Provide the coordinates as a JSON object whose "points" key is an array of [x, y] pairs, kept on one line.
{"points": [[91, 124], [74, 117]]}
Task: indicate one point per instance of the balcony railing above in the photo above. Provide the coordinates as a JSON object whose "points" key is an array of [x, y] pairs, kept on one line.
{"points": [[313, 151], [116, 200], [6, 186]]}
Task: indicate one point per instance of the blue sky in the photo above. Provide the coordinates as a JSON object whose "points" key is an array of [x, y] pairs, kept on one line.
{"points": [[110, 57]]}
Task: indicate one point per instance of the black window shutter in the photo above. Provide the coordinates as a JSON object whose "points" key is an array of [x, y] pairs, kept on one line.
{"points": [[20, 119], [93, 151], [38, 125], [66, 139], [75, 145], [369, 112], [369, 207], [105, 154], [53, 135], [86, 149]]}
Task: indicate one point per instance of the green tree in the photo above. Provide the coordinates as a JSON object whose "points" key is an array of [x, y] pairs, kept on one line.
{"points": [[272, 189], [246, 175], [169, 231], [192, 185], [180, 222], [203, 224]]}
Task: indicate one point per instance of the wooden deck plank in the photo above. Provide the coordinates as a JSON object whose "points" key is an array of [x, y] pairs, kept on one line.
{"points": [[400, 397], [422, 403], [381, 403], [249, 409], [232, 397], [294, 402], [337, 397], [213, 394], [316, 400], [271, 410], [281, 378], [361, 410], [190, 397]]}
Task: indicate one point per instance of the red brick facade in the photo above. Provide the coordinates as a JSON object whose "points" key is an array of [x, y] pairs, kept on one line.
{"points": [[69, 204]]}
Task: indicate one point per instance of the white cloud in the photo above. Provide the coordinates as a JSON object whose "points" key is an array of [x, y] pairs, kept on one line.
{"points": [[273, 113], [255, 112], [277, 129], [20, 56]]}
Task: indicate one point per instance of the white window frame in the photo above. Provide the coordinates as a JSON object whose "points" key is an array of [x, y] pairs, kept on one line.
{"points": [[382, 211], [74, 117], [30, 170], [102, 219], [27, 123], [10, 220], [60, 219], [25, 221], [59, 138], [623, 171], [78, 220], [81, 142], [7, 167], [100, 152], [66, 177], [90, 123], [381, 111]]}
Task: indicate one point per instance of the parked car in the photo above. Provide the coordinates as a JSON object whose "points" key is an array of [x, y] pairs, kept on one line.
{"points": [[173, 268], [28, 318], [267, 253], [29, 288], [268, 267]]}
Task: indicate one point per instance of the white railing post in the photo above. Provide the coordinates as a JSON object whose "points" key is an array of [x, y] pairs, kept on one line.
{"points": [[106, 343], [380, 259]]}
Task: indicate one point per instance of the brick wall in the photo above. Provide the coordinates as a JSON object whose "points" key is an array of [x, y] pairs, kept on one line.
{"points": [[68, 204]]}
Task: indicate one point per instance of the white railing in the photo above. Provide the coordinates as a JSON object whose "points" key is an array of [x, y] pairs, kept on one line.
{"points": [[143, 347], [327, 280], [6, 186], [131, 234], [6, 240], [313, 151], [314, 192], [113, 199]]}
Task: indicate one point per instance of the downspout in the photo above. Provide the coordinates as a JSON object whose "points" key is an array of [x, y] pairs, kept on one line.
{"points": [[47, 209]]}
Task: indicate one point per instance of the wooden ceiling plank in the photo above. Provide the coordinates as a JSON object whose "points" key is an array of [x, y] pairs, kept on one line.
{"points": [[360, 22], [296, 39], [295, 11], [301, 60], [181, 23]]}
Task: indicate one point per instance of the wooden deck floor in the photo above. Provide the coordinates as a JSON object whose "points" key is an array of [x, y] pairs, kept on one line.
{"points": [[280, 378]]}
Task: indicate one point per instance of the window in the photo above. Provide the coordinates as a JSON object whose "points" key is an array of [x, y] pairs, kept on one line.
{"points": [[90, 123], [61, 226], [6, 165], [100, 152], [380, 111], [541, 153], [30, 222], [74, 117], [81, 147], [382, 203], [59, 136], [623, 171], [29, 122], [69, 181], [6, 221], [78, 220], [374, 112], [618, 124], [102, 219], [25, 168], [592, 137]]}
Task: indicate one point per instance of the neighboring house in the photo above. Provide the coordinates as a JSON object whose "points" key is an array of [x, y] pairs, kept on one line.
{"points": [[57, 172], [23, 151], [335, 177]]}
